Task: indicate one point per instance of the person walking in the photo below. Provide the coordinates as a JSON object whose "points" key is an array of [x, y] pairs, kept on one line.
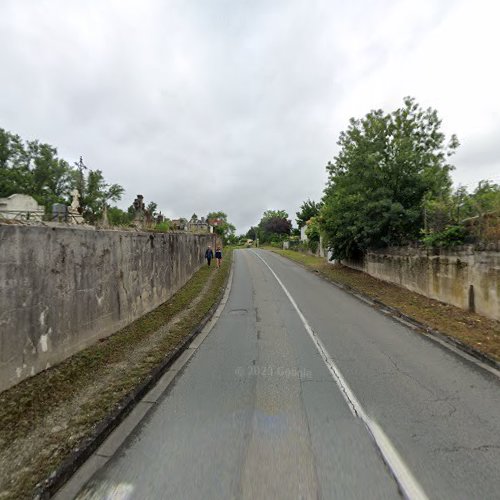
{"points": [[209, 255], [218, 256]]}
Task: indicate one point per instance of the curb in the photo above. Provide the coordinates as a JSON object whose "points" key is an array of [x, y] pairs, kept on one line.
{"points": [[49, 486], [404, 319]]}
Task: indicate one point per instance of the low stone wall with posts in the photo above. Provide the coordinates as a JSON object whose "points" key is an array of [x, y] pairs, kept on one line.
{"points": [[466, 277], [63, 288]]}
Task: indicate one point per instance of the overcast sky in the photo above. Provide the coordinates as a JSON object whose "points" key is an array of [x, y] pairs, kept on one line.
{"points": [[234, 105]]}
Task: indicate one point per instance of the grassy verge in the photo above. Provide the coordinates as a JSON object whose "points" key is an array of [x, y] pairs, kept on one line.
{"points": [[477, 331], [28, 410]]}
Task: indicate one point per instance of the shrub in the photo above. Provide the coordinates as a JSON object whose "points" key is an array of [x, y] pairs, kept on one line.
{"points": [[449, 237]]}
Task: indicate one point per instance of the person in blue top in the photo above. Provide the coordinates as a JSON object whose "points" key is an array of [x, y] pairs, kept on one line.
{"points": [[209, 255], [218, 256]]}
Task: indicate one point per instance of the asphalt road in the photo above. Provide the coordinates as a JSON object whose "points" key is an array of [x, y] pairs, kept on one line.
{"points": [[335, 401]]}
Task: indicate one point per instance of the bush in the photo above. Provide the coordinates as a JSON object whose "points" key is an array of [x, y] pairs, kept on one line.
{"points": [[449, 237], [162, 227], [313, 245]]}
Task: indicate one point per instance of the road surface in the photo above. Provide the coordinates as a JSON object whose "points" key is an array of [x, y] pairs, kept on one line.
{"points": [[303, 391]]}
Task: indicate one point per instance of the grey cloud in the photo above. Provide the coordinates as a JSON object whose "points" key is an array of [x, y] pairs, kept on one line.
{"points": [[197, 105]]}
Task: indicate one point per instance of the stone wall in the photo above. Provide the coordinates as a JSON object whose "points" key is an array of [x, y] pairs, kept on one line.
{"points": [[63, 288], [465, 277]]}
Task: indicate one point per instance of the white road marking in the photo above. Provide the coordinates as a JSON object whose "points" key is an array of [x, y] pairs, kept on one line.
{"points": [[402, 474]]}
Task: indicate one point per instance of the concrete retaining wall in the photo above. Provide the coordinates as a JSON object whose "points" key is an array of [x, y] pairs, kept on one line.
{"points": [[63, 288], [464, 277]]}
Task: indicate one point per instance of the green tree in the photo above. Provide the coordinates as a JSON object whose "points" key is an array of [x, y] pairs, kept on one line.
{"points": [[50, 175], [388, 165], [152, 208], [308, 209], [252, 233], [15, 175], [485, 198], [118, 217], [32, 168], [94, 191], [313, 233], [224, 228], [274, 226]]}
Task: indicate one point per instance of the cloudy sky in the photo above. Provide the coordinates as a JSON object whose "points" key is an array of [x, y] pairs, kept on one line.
{"points": [[237, 105]]}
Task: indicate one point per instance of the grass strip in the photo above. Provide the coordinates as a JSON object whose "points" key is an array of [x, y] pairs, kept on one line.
{"points": [[479, 332], [30, 403]]}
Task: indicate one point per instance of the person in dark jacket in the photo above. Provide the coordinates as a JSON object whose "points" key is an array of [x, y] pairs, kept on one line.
{"points": [[209, 255], [218, 256]]}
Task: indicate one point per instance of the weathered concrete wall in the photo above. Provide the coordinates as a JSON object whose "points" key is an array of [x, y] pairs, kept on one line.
{"points": [[63, 288], [464, 277]]}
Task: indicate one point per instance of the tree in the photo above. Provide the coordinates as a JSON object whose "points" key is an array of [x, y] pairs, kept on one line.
{"points": [[313, 233], [388, 165], [118, 217], [274, 226], [152, 208], [15, 175], [308, 209], [252, 233], [50, 176], [485, 198], [94, 191], [32, 168], [224, 228]]}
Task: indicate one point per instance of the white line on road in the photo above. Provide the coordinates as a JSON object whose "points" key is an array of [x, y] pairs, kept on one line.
{"points": [[407, 482]]}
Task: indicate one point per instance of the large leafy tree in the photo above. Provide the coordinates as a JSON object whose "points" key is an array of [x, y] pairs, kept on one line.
{"points": [[50, 175], [15, 174], [388, 165], [274, 226], [308, 210], [34, 168]]}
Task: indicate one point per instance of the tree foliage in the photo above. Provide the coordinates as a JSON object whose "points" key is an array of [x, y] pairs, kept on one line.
{"points": [[274, 226], [313, 233], [252, 233], [224, 229], [118, 217], [445, 219], [34, 168], [308, 209], [388, 165]]}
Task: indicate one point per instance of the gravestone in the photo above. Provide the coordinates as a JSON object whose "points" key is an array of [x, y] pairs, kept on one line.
{"points": [[59, 212], [21, 207]]}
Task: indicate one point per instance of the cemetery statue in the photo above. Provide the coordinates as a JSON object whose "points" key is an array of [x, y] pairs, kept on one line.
{"points": [[139, 211], [75, 210], [75, 204]]}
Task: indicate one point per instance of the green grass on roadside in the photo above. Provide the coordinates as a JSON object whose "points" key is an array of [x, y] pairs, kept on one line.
{"points": [[477, 331], [28, 404]]}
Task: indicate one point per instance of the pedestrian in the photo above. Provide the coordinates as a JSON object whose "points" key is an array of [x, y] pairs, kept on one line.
{"points": [[209, 255], [218, 256]]}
